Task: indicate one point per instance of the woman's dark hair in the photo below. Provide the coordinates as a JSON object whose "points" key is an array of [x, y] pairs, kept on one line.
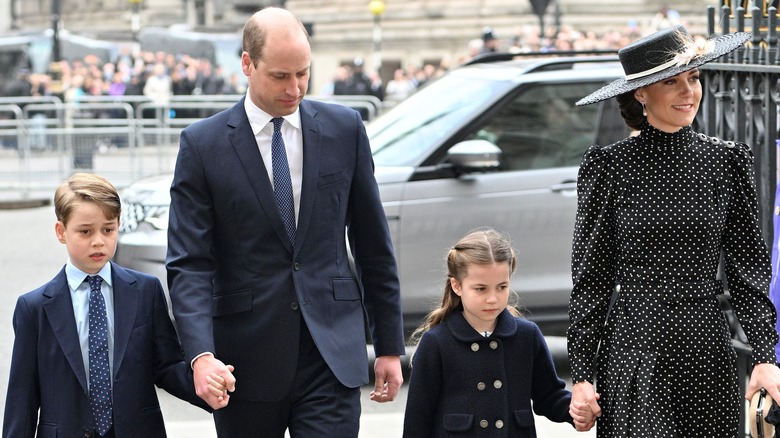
{"points": [[631, 110]]}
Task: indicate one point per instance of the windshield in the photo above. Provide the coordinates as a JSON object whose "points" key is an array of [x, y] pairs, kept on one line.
{"points": [[405, 135]]}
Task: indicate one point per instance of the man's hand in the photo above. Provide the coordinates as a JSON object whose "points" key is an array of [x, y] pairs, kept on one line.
{"points": [[584, 407], [213, 380], [388, 378]]}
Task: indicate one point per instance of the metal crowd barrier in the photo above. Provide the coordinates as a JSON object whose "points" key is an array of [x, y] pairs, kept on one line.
{"points": [[43, 139]]}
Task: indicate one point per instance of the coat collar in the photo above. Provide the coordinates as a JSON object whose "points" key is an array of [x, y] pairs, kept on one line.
{"points": [[463, 331]]}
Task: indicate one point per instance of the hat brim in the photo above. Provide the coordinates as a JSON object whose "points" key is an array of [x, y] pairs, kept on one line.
{"points": [[722, 45]]}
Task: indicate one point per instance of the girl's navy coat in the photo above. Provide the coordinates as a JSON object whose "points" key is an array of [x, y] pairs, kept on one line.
{"points": [[465, 384]]}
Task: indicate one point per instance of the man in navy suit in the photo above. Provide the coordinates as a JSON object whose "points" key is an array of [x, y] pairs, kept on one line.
{"points": [[281, 303], [52, 385]]}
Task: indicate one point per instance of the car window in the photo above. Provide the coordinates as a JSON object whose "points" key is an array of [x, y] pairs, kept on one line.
{"points": [[410, 131], [542, 127]]}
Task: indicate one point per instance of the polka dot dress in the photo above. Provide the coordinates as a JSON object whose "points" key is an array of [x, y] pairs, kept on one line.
{"points": [[654, 212]]}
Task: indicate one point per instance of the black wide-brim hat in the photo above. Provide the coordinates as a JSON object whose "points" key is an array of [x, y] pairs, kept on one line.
{"points": [[662, 55]]}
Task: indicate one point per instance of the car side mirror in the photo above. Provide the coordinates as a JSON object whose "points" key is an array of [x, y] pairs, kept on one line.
{"points": [[474, 155]]}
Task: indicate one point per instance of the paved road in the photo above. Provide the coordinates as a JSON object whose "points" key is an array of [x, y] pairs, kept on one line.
{"points": [[30, 255]]}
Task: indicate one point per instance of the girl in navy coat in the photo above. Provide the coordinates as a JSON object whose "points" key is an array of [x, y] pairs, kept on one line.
{"points": [[478, 366]]}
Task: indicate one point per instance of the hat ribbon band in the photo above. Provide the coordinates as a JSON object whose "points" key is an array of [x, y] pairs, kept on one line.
{"points": [[655, 69]]}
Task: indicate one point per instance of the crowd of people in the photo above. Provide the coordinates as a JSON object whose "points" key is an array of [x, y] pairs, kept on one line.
{"points": [[157, 75], [160, 75], [353, 79]]}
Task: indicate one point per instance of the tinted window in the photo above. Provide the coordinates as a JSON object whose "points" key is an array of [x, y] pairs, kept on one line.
{"points": [[543, 128], [413, 129]]}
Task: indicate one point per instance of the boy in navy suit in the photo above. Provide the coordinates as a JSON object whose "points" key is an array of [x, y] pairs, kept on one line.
{"points": [[92, 343]]}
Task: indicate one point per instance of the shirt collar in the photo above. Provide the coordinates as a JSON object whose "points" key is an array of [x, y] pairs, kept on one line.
{"points": [[76, 276], [259, 119]]}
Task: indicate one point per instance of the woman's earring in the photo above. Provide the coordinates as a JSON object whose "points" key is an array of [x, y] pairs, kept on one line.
{"points": [[644, 110]]}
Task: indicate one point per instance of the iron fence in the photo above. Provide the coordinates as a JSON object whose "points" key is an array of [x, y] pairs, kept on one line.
{"points": [[44, 140]]}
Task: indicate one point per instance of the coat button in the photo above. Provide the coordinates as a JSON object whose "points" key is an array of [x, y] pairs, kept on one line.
{"points": [[493, 345], [297, 266], [481, 386], [499, 424], [294, 305], [475, 347], [483, 424], [497, 384]]}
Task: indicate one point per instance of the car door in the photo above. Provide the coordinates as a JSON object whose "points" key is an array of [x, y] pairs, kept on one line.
{"points": [[531, 197]]}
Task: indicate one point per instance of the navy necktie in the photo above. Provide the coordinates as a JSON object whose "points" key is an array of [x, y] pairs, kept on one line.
{"points": [[282, 181], [99, 370]]}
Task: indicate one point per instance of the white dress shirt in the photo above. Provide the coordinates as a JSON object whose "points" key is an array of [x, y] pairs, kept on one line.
{"points": [[292, 133]]}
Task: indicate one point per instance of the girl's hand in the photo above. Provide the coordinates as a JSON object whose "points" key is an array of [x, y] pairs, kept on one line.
{"points": [[584, 408]]}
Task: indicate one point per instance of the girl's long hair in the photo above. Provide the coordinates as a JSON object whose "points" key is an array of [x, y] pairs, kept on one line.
{"points": [[483, 246]]}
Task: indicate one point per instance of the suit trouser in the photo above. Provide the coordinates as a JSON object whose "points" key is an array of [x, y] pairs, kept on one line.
{"points": [[318, 405]]}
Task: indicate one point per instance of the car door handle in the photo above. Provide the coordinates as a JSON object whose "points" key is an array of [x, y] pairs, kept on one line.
{"points": [[564, 186]]}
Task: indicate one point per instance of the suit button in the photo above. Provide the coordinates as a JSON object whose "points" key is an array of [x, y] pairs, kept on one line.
{"points": [[297, 266], [493, 345], [294, 305], [499, 424], [481, 386], [483, 424], [497, 384], [475, 347], [87, 433]]}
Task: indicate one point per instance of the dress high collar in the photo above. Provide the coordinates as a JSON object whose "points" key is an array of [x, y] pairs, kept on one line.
{"points": [[651, 135]]}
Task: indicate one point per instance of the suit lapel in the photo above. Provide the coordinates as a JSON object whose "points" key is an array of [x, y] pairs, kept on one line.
{"points": [[126, 297], [312, 143], [244, 143], [59, 312]]}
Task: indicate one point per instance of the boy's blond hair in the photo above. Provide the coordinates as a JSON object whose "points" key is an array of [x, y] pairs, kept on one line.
{"points": [[86, 187]]}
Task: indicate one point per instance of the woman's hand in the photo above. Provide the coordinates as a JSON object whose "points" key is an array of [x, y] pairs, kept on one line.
{"points": [[764, 375], [584, 407]]}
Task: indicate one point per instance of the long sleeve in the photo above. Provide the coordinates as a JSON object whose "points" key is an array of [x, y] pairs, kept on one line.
{"points": [[592, 262], [549, 394], [747, 265], [424, 389], [371, 243], [23, 399], [191, 263]]}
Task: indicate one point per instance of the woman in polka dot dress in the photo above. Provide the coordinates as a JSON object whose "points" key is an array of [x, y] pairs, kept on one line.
{"points": [[655, 212]]}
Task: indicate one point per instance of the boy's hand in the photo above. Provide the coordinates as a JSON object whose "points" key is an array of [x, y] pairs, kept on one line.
{"points": [[207, 387], [217, 386]]}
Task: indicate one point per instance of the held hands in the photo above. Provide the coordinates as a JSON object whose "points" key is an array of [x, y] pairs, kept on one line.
{"points": [[213, 380], [388, 378], [584, 408], [764, 375]]}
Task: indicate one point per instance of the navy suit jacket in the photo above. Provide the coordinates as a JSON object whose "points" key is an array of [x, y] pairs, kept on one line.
{"points": [[47, 388], [233, 273]]}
